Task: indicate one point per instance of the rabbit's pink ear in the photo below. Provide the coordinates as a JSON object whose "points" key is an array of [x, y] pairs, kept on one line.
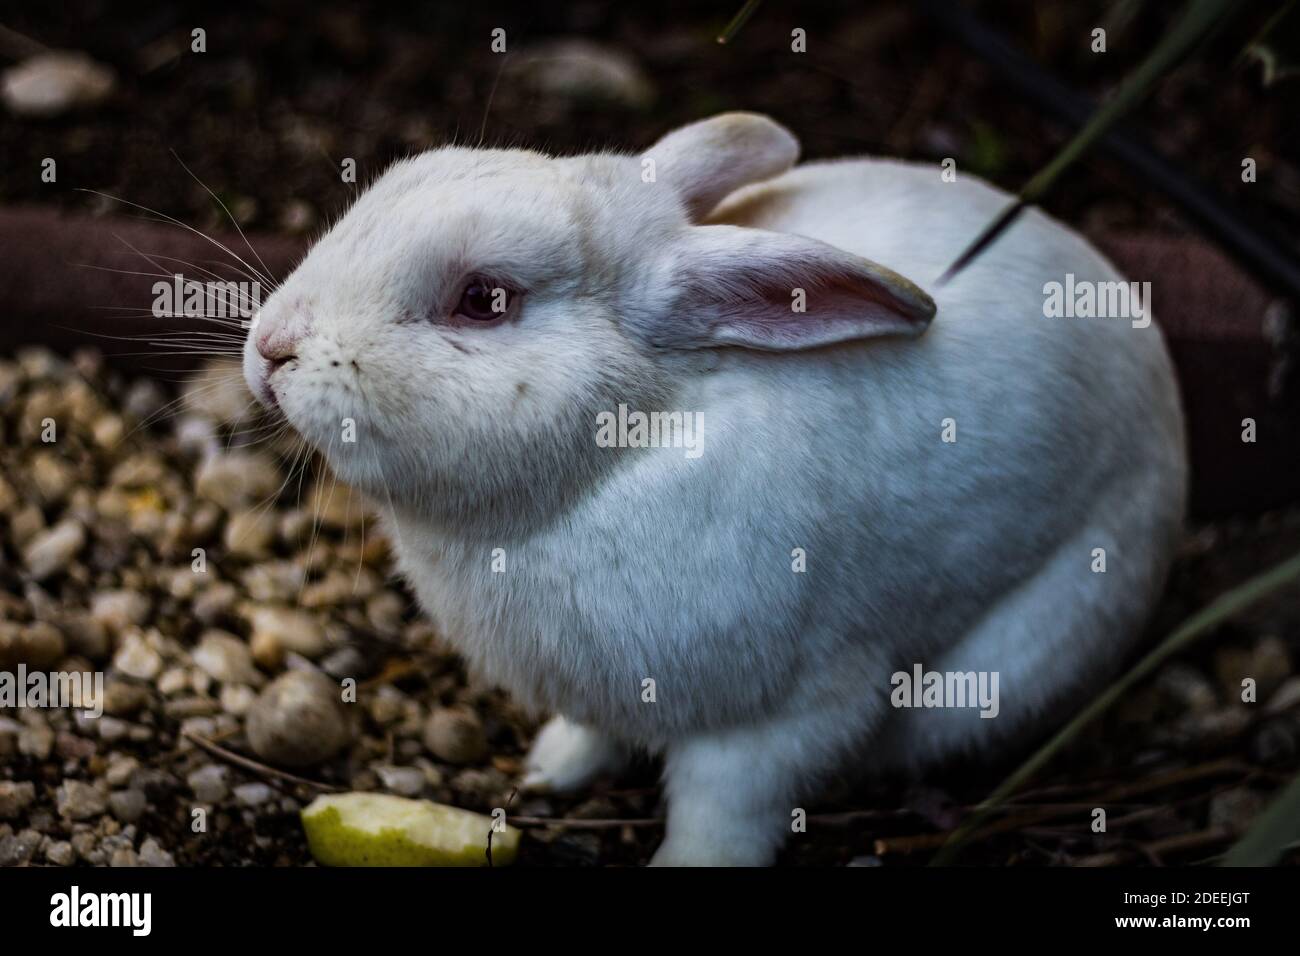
{"points": [[780, 292], [705, 161]]}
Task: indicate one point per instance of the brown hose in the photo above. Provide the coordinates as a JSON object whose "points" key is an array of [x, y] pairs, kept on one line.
{"points": [[60, 287], [1212, 314]]}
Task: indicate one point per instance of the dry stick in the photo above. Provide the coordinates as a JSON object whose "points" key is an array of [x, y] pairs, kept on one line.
{"points": [[1155, 849], [1214, 768], [582, 823], [932, 841], [247, 763], [1205, 620], [1041, 811], [1044, 812], [578, 823], [844, 817]]}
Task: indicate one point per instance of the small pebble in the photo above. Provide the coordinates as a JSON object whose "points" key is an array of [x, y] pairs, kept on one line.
{"points": [[79, 801], [151, 854], [112, 729], [136, 658], [120, 770], [127, 805], [60, 853], [123, 698], [455, 734], [403, 781], [118, 610], [36, 740], [51, 551], [295, 631], [298, 720], [254, 794], [209, 783], [39, 646], [15, 798], [238, 479], [249, 534], [226, 658], [55, 81], [237, 699], [17, 849]]}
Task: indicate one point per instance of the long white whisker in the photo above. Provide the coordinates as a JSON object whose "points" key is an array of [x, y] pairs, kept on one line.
{"points": [[233, 222], [186, 226]]}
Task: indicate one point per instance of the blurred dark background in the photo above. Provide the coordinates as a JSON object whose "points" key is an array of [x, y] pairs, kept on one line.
{"points": [[285, 91]]}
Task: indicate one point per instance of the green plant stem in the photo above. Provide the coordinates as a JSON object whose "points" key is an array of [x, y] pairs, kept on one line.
{"points": [[1269, 836], [1225, 606], [1197, 20]]}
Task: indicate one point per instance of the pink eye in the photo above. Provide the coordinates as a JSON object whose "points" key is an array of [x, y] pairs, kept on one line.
{"points": [[483, 302]]}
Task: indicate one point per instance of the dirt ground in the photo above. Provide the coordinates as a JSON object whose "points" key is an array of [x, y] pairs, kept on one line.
{"points": [[286, 91]]}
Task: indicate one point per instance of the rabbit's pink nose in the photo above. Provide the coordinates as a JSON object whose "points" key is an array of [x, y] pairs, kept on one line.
{"points": [[278, 341]]}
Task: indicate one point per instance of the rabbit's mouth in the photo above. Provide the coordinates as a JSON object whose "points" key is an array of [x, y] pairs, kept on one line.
{"points": [[264, 389]]}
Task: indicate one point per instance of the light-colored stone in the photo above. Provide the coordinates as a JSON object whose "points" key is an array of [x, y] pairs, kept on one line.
{"points": [[298, 720], [224, 657], [151, 854], [15, 798], [209, 783], [118, 610], [249, 534], [574, 71], [136, 658], [127, 805], [295, 631], [54, 82], [52, 550], [80, 801], [238, 479], [455, 734]]}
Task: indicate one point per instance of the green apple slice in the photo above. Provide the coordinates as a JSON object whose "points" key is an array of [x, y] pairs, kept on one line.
{"points": [[378, 829]]}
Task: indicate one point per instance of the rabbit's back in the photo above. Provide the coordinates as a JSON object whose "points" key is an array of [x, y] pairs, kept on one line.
{"points": [[852, 507]]}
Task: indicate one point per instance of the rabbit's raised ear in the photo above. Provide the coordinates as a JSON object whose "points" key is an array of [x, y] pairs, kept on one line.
{"points": [[780, 292], [705, 161]]}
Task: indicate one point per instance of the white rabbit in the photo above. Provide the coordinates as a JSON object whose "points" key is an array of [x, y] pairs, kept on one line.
{"points": [[871, 493]]}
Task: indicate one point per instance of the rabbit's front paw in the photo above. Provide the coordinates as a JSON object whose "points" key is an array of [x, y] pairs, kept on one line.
{"points": [[568, 756]]}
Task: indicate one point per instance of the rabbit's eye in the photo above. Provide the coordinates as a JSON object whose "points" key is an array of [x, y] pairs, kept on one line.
{"points": [[482, 301]]}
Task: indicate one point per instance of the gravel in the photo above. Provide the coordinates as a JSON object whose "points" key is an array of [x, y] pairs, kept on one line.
{"points": [[226, 664]]}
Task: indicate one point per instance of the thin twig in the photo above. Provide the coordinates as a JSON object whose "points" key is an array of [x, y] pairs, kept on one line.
{"points": [[256, 767], [578, 823], [1042, 813], [1156, 849]]}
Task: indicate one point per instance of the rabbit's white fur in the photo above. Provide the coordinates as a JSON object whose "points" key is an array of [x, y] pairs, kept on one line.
{"points": [[635, 564]]}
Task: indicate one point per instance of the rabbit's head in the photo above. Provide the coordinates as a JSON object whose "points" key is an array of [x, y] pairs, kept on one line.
{"points": [[451, 340]]}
